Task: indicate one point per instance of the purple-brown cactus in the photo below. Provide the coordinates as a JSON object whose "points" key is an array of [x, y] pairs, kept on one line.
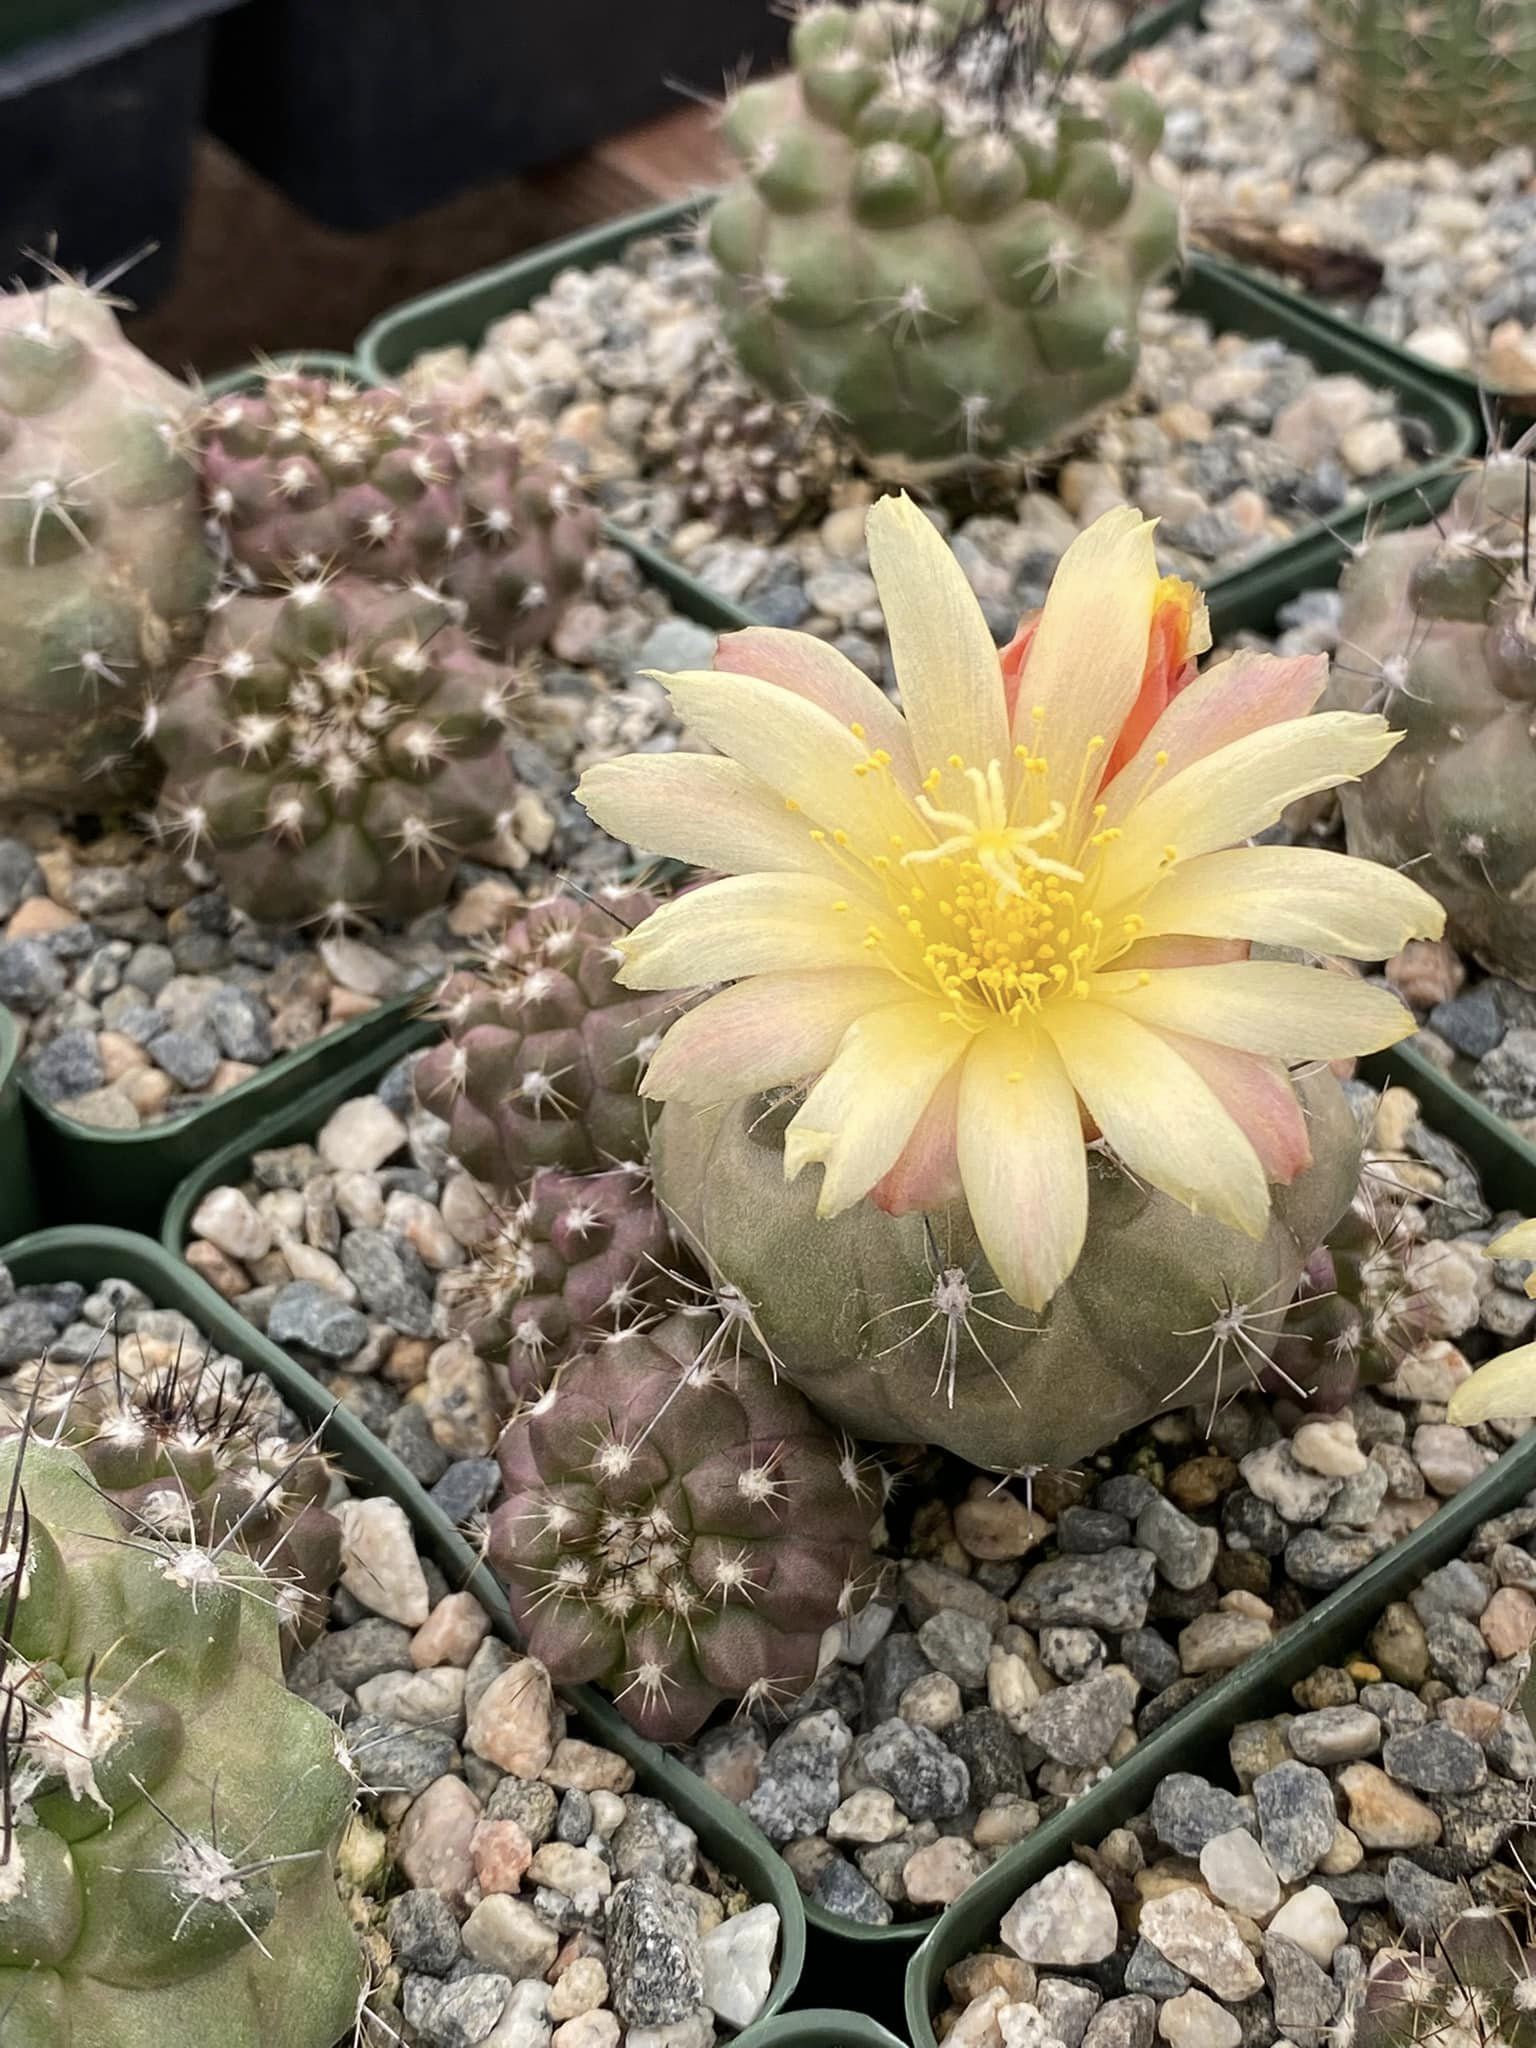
{"points": [[680, 1527], [308, 476], [544, 1050], [579, 1259], [335, 750]]}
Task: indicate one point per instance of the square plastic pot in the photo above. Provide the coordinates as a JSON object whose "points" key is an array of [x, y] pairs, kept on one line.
{"points": [[96, 131], [460, 314], [91, 1256], [18, 1198], [1196, 1739], [125, 1177], [1508, 1180], [364, 111]]}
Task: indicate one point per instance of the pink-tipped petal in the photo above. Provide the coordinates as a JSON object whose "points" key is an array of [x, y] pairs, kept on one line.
{"points": [[1258, 1096], [1237, 697], [927, 1175], [809, 668], [1177, 951]]}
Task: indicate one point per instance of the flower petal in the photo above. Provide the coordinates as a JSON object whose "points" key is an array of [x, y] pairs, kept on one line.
{"points": [[927, 1175], [801, 751], [809, 668], [1089, 651], [1258, 1096], [1271, 1007], [774, 1028], [1238, 696], [860, 1114], [748, 924], [703, 809], [1294, 896], [1022, 1161], [1504, 1390], [1237, 791], [1165, 1122], [945, 658]]}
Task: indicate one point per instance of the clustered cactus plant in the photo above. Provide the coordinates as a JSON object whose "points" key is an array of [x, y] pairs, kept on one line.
{"points": [[581, 1256], [942, 233], [1475, 1980], [1454, 76], [1439, 635], [104, 570], [310, 476], [335, 749], [680, 1526], [170, 1811], [544, 1050]]}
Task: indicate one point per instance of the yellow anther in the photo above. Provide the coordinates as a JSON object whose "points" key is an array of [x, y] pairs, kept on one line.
{"points": [[856, 729], [839, 836], [957, 761], [1096, 743], [932, 779], [790, 804], [1143, 980]]}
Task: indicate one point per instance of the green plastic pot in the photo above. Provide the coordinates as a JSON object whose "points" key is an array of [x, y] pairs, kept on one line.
{"points": [[823, 2028], [460, 314], [92, 1255], [1509, 1180], [18, 1201], [1196, 1738], [124, 1178], [313, 362]]}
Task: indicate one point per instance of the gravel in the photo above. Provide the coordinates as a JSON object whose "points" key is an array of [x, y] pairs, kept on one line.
{"points": [[1330, 1875]]}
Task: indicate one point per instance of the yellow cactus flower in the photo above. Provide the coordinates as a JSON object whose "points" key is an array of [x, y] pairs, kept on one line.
{"points": [[1503, 1390], [1518, 1242], [986, 932]]}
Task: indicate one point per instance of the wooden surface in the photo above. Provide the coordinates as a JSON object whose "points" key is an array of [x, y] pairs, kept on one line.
{"points": [[256, 274]]}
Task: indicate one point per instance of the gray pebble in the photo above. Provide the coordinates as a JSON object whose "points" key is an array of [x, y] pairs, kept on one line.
{"points": [[926, 1780], [186, 1057], [1296, 1818], [305, 1314], [1187, 1812]]}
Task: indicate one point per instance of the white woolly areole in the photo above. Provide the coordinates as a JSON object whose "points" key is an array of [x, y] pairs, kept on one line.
{"points": [[71, 1738]]}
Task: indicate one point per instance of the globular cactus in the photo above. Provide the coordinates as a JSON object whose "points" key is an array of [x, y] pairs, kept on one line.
{"points": [[104, 570], [308, 476], [897, 1329], [171, 1812], [942, 236], [334, 751], [1452, 76], [1475, 1980], [1439, 634], [545, 1050], [186, 1454], [746, 463], [582, 1256], [679, 1526]]}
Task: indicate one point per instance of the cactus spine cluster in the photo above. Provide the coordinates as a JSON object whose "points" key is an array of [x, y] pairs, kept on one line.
{"points": [[1453, 76], [545, 1050], [680, 1526], [310, 476], [941, 236], [104, 570], [335, 749], [1439, 634], [170, 1810], [1475, 1981]]}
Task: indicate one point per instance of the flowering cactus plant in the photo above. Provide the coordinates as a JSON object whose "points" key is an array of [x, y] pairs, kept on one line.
{"points": [[1014, 918]]}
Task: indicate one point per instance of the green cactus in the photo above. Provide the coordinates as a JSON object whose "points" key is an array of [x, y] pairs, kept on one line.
{"points": [[170, 1810], [897, 1330], [183, 1452], [1439, 634], [335, 750], [309, 476], [581, 1256], [942, 235], [104, 570], [545, 1050], [680, 1526], [1454, 76], [1475, 1979]]}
